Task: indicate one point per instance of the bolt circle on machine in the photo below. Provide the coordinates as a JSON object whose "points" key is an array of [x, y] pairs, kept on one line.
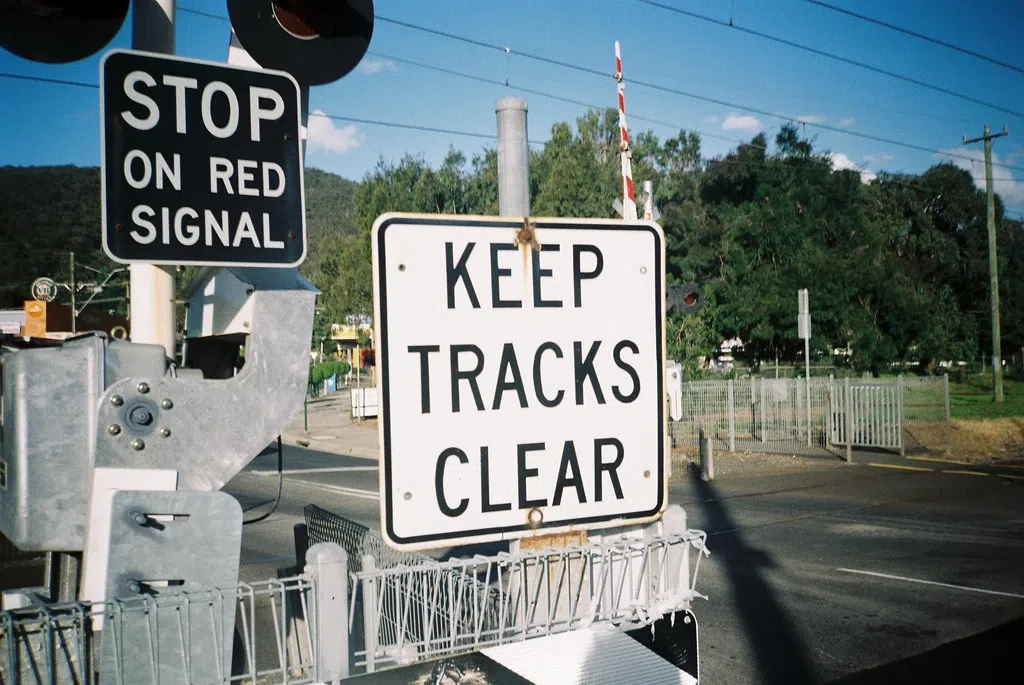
{"points": [[143, 388], [165, 432], [114, 429], [138, 444], [141, 416], [166, 404], [117, 400]]}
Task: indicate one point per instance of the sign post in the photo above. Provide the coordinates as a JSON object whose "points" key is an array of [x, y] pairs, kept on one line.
{"points": [[202, 163], [804, 330], [522, 376]]}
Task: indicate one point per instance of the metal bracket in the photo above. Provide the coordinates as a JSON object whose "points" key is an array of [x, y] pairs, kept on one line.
{"points": [[160, 547], [227, 421]]}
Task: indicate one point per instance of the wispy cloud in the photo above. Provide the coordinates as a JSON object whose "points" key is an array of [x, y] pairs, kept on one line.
{"points": [[712, 119], [373, 65], [321, 133], [879, 158], [847, 121], [735, 122], [811, 119], [840, 161], [1003, 182]]}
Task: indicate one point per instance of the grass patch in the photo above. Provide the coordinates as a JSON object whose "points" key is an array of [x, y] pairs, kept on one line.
{"points": [[972, 398]]}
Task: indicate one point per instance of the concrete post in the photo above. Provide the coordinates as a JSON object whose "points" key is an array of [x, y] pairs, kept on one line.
{"points": [[370, 618], [327, 564], [707, 464], [513, 157]]}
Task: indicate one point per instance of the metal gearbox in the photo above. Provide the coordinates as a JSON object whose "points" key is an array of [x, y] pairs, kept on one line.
{"points": [[92, 402]]}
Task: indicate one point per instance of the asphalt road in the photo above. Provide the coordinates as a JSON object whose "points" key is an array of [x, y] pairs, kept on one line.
{"points": [[820, 571]]}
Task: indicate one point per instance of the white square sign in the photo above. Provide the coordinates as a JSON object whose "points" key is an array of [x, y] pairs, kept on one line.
{"points": [[521, 376]]}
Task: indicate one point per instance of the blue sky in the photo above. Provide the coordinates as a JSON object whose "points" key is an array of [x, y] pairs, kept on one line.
{"points": [[52, 124]]}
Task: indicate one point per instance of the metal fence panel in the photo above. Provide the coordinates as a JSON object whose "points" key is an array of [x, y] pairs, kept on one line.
{"points": [[439, 608], [56, 644], [757, 415], [771, 415]]}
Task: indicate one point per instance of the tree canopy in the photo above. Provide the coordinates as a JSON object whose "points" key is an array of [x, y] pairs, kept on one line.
{"points": [[897, 268]]}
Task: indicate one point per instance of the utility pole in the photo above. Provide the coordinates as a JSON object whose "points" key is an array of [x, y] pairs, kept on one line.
{"points": [[993, 262], [74, 289], [152, 285]]}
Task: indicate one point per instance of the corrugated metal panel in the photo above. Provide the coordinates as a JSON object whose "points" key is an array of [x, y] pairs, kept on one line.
{"points": [[595, 656]]}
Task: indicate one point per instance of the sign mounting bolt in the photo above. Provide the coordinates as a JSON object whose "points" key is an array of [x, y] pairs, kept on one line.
{"points": [[408, 495]]}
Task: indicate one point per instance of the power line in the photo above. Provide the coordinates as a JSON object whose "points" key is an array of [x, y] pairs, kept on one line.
{"points": [[474, 134], [541, 93], [411, 127], [590, 105], [915, 34], [200, 13], [830, 55], [654, 86], [683, 93], [43, 79]]}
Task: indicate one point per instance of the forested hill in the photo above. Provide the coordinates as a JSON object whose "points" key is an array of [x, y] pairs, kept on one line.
{"points": [[45, 212], [897, 265]]}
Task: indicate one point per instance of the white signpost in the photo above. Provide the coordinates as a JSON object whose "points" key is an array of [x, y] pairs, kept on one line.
{"points": [[521, 390], [803, 324]]}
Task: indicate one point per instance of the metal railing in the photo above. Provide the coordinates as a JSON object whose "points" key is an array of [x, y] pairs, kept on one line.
{"points": [[407, 607], [776, 415], [408, 614], [166, 640], [442, 608]]}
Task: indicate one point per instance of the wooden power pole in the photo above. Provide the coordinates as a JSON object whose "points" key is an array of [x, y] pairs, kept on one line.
{"points": [[993, 263]]}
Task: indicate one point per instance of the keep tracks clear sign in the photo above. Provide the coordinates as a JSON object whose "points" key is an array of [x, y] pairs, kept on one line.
{"points": [[521, 372]]}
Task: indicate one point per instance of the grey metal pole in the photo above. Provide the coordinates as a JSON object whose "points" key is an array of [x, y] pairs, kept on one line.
{"points": [[648, 199], [152, 285], [949, 422], [807, 359], [732, 416], [74, 290], [849, 419], [513, 157], [899, 404]]}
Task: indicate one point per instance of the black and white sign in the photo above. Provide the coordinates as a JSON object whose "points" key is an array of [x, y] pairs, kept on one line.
{"points": [[202, 163], [520, 390]]}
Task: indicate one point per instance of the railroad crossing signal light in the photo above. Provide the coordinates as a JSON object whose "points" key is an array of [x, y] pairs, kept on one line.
{"points": [[59, 31]]}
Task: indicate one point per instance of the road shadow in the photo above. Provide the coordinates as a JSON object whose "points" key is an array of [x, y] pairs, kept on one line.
{"points": [[988, 657], [781, 654]]}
